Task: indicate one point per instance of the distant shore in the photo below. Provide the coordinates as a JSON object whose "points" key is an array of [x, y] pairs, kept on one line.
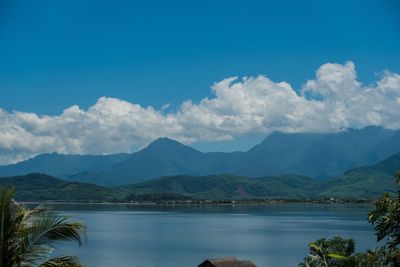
{"points": [[242, 202]]}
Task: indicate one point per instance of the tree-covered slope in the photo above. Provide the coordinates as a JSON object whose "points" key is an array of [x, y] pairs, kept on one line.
{"points": [[226, 186], [359, 182], [42, 187], [389, 165], [362, 182]]}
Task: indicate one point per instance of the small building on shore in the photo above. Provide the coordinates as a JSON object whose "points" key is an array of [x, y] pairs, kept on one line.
{"points": [[227, 262]]}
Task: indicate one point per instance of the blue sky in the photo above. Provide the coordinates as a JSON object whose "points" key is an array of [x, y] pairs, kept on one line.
{"points": [[56, 54]]}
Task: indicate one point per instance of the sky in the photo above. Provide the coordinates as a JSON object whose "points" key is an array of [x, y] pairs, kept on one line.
{"points": [[101, 77]]}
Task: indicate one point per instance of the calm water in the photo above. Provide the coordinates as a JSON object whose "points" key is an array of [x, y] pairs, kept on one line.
{"points": [[184, 236]]}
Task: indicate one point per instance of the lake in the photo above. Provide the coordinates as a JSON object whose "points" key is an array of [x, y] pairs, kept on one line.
{"points": [[184, 236]]}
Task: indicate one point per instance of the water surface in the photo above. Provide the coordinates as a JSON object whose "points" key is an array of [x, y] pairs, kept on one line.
{"points": [[151, 236]]}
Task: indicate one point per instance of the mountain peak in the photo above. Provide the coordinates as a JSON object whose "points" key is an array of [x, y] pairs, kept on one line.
{"points": [[165, 142], [314, 155]]}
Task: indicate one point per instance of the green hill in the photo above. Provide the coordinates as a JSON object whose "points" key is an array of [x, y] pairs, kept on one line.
{"points": [[362, 182], [42, 187], [225, 186], [389, 165], [359, 182]]}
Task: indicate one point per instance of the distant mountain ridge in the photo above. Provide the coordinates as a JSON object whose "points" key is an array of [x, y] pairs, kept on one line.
{"points": [[316, 155], [62, 165], [361, 182]]}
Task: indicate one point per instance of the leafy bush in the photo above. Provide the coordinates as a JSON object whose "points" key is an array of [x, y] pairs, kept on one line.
{"points": [[339, 252]]}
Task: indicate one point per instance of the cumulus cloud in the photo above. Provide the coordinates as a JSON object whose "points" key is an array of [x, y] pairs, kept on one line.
{"points": [[333, 100]]}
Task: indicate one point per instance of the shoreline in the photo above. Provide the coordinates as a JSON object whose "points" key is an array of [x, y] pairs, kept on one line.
{"points": [[211, 203]]}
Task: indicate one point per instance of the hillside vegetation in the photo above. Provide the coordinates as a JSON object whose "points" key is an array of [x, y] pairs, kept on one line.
{"points": [[42, 187], [362, 182]]}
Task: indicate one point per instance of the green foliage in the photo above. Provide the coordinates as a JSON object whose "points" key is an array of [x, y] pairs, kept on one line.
{"points": [[26, 235], [338, 252], [380, 257], [330, 252], [386, 218], [66, 261]]}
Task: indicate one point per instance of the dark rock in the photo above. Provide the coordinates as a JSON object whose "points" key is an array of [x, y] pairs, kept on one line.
{"points": [[227, 262]]}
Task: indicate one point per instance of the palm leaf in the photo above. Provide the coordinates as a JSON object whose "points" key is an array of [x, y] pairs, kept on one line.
{"points": [[42, 230], [66, 261], [11, 215], [26, 235], [336, 256]]}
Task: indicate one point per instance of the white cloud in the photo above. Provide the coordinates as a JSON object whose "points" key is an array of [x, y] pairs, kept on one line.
{"points": [[335, 99]]}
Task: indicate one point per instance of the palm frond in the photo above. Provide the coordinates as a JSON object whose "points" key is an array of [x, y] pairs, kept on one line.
{"points": [[336, 256], [26, 235], [65, 261], [35, 254], [41, 230], [37, 211], [11, 217]]}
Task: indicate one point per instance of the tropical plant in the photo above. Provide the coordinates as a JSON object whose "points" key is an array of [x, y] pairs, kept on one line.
{"points": [[26, 235], [330, 252], [379, 257], [386, 218], [338, 252]]}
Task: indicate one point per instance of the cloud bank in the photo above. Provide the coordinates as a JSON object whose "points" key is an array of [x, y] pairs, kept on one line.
{"points": [[333, 100]]}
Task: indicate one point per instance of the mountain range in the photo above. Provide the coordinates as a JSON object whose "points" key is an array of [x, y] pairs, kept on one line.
{"points": [[360, 182], [314, 155]]}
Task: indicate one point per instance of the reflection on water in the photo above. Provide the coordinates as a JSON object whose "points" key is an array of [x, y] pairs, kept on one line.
{"points": [[276, 235]]}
